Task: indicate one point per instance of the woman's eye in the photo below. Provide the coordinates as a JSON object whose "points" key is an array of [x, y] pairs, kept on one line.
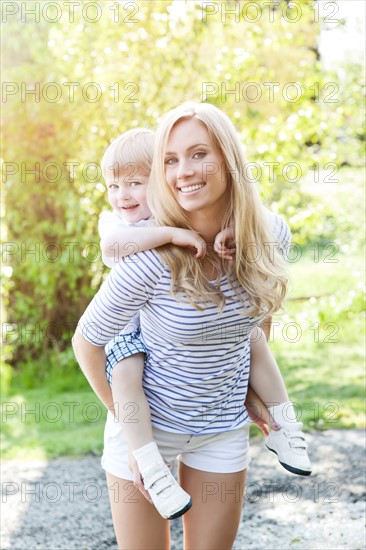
{"points": [[113, 187], [134, 183], [199, 155], [170, 161]]}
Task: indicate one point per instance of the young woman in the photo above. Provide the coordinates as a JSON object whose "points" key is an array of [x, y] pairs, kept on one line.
{"points": [[196, 317]]}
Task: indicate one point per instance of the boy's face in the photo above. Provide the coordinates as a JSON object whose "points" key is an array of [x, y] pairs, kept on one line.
{"points": [[127, 195]]}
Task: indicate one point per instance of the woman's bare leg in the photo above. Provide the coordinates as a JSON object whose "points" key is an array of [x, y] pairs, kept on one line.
{"points": [[137, 523], [214, 519]]}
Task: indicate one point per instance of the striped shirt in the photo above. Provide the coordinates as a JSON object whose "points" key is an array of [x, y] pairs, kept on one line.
{"points": [[197, 367]]}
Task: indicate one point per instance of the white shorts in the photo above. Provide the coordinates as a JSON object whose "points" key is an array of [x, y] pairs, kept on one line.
{"points": [[224, 452]]}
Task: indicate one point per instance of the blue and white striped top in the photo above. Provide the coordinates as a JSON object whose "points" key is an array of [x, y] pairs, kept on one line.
{"points": [[197, 367]]}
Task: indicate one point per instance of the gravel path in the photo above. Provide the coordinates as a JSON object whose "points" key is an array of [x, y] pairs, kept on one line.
{"points": [[63, 504]]}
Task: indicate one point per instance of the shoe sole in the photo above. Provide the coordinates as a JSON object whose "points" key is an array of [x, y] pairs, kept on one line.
{"points": [[291, 469], [182, 511]]}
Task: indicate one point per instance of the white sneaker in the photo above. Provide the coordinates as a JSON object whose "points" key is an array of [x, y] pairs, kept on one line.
{"points": [[290, 446], [170, 500]]}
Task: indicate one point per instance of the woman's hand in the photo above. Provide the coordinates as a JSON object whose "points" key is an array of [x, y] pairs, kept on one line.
{"points": [[188, 239], [224, 244], [137, 479], [259, 413]]}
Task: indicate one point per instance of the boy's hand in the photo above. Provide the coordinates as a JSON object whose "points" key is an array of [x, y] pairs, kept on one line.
{"points": [[224, 244], [189, 239]]}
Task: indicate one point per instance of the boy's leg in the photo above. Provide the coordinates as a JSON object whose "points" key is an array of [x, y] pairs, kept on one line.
{"points": [[131, 406], [133, 413], [266, 380]]}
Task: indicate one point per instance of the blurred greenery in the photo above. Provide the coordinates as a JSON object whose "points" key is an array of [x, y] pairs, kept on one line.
{"points": [[305, 143], [43, 423]]}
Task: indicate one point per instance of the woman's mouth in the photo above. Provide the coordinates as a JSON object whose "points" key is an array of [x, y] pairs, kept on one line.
{"points": [[192, 188]]}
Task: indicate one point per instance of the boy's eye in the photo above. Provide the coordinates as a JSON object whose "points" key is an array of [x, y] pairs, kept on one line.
{"points": [[113, 186], [134, 183]]}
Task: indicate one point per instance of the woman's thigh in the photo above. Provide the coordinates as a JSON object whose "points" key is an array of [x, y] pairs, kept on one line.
{"points": [[136, 522], [213, 521]]}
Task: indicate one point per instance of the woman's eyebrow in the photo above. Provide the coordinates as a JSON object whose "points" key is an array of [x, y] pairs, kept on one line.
{"points": [[189, 148]]}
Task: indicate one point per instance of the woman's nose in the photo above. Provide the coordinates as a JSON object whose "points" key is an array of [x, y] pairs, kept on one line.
{"points": [[185, 169]]}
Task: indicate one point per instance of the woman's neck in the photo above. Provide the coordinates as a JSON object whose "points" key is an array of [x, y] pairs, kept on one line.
{"points": [[207, 225]]}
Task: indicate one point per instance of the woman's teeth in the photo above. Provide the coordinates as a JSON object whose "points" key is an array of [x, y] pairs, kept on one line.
{"points": [[192, 188]]}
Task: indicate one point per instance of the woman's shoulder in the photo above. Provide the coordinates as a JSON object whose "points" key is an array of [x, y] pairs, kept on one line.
{"points": [[279, 229], [138, 274], [145, 263], [277, 221]]}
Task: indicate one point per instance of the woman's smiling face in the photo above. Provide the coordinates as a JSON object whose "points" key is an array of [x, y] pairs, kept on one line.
{"points": [[195, 168]]}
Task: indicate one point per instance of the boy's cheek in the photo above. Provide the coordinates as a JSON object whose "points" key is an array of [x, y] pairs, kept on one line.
{"points": [[112, 200]]}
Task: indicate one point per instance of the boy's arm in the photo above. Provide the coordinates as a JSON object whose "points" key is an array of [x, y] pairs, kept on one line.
{"points": [[119, 244], [92, 362]]}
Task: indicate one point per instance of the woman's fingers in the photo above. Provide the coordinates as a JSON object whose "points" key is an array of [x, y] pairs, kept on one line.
{"points": [[144, 492], [262, 426], [136, 476], [138, 482]]}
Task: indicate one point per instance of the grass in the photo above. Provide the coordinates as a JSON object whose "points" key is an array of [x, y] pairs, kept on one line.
{"points": [[39, 424], [318, 343]]}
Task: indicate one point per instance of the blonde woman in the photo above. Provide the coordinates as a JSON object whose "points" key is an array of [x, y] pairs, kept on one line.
{"points": [[196, 317]]}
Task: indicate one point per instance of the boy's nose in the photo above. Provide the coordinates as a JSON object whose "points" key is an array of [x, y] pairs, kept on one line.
{"points": [[123, 193]]}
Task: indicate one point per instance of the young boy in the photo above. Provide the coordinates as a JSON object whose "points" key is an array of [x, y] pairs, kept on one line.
{"points": [[126, 167]]}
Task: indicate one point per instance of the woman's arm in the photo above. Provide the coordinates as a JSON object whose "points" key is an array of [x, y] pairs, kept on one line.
{"points": [[266, 327], [125, 291], [258, 412], [127, 241], [92, 362]]}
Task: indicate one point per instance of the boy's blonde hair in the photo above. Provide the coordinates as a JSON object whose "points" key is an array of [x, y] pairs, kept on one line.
{"points": [[263, 278], [132, 149]]}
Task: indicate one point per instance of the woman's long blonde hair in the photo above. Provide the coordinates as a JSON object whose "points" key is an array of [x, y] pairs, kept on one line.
{"points": [[259, 267]]}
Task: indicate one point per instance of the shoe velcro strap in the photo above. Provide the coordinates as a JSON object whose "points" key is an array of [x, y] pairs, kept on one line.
{"points": [[154, 479], [297, 440]]}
